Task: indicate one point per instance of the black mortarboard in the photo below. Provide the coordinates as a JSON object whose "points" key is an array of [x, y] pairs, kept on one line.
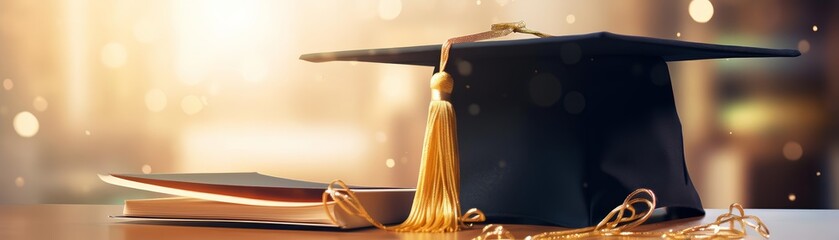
{"points": [[558, 130]]}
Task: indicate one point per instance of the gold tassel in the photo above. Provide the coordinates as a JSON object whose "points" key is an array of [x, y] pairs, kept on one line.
{"points": [[436, 206]]}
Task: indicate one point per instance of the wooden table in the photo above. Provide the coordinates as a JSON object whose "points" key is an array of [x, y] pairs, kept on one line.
{"points": [[90, 222]]}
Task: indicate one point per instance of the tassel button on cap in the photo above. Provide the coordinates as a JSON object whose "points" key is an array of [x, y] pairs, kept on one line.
{"points": [[442, 83]]}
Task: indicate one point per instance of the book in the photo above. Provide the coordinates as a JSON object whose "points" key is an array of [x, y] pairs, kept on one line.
{"points": [[254, 198]]}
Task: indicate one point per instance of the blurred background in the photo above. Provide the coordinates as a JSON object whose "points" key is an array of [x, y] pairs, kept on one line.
{"points": [[123, 86]]}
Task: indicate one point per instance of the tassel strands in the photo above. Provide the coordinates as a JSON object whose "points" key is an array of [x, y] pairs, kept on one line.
{"points": [[436, 206]]}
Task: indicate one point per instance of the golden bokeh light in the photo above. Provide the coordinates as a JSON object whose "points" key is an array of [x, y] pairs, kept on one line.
{"points": [[389, 9], [474, 109], [792, 197], [390, 163], [146, 168], [156, 100], [570, 19], [678, 34], [40, 104], [502, 2], [19, 182], [26, 125], [113, 55], [464, 68], [815, 28], [8, 84], [804, 46], [191, 105], [87, 132], [395, 85], [793, 151], [818, 174], [478, 2], [701, 10]]}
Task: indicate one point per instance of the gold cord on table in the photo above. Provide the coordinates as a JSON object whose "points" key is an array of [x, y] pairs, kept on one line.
{"points": [[620, 225]]}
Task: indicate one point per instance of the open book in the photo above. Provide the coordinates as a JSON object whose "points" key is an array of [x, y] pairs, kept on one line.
{"points": [[254, 198]]}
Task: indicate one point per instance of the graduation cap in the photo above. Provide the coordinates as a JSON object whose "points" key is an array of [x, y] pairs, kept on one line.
{"points": [[558, 130]]}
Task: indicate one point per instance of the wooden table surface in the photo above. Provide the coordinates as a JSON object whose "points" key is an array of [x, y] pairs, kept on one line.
{"points": [[90, 222]]}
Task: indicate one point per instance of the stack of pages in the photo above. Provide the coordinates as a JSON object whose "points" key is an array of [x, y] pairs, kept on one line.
{"points": [[254, 198]]}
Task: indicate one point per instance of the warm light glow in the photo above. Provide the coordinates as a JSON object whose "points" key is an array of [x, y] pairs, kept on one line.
{"points": [[570, 19], [381, 137], [803, 46], [390, 163], [818, 174], [793, 151], [26, 124], [156, 100], [79, 55], [146, 168], [282, 150], [216, 37], [8, 84], [114, 55], [19, 182], [389, 9], [395, 85], [87, 132], [725, 167], [791, 197], [678, 34], [701, 10], [254, 69], [145, 30], [748, 117], [191, 105], [478, 2], [40, 104], [815, 28]]}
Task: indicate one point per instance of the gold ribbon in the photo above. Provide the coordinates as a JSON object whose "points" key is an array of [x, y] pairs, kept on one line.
{"points": [[618, 224], [497, 30]]}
